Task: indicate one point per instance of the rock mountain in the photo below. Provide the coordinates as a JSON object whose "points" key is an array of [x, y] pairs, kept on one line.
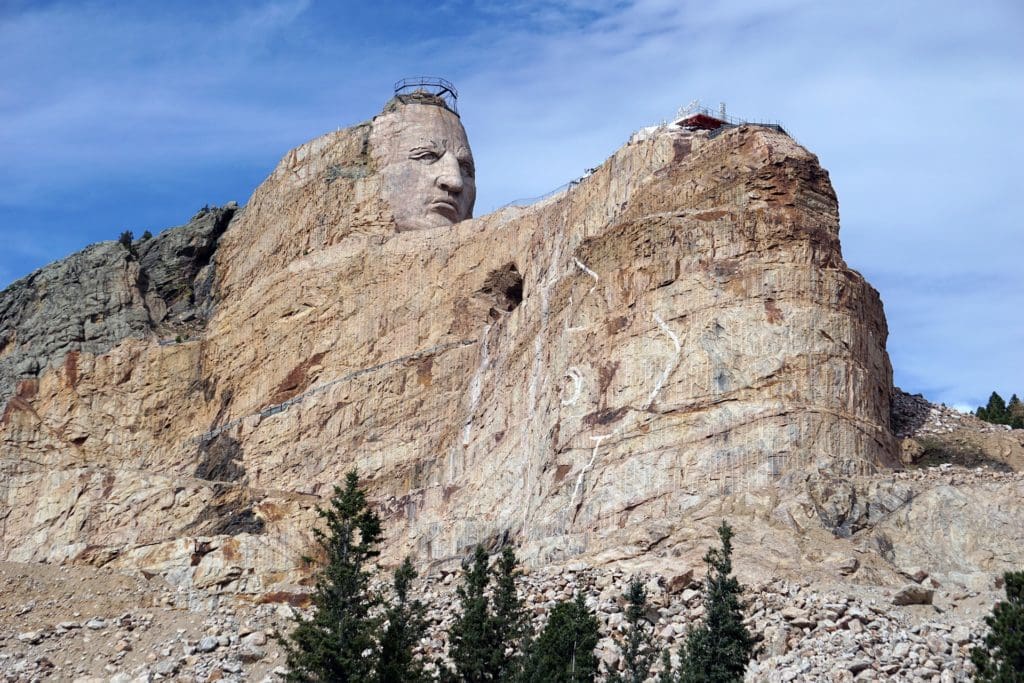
{"points": [[602, 375]]}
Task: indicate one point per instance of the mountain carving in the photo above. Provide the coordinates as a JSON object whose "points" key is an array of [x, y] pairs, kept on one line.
{"points": [[593, 376]]}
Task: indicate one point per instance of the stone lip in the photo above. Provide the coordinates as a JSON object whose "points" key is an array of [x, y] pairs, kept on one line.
{"points": [[106, 293]]}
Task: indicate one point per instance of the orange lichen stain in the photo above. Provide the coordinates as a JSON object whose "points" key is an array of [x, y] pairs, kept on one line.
{"points": [[615, 325], [605, 374], [27, 389], [709, 215], [269, 512], [448, 491], [296, 381], [108, 485], [285, 597], [604, 417]]}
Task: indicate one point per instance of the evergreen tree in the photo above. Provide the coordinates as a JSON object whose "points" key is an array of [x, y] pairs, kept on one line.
{"points": [[638, 654], [337, 643], [1000, 659], [471, 639], [564, 651], [487, 639], [406, 626], [510, 622], [994, 411], [719, 648], [1015, 411]]}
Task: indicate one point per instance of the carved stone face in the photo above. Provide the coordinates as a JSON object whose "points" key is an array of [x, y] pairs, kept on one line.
{"points": [[427, 166]]}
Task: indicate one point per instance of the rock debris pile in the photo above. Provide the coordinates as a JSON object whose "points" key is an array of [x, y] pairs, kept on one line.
{"points": [[915, 416], [101, 632], [932, 434], [810, 633]]}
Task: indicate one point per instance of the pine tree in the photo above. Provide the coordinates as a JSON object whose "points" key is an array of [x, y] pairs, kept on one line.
{"points": [[638, 655], [994, 411], [564, 651], [337, 643], [719, 648], [1000, 659], [471, 637], [510, 622], [1015, 411], [406, 626], [666, 675], [487, 639]]}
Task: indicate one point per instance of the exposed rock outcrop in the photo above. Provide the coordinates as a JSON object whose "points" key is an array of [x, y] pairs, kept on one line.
{"points": [[106, 293]]}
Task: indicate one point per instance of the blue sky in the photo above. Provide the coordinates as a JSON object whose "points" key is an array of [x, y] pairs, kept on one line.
{"points": [[118, 116]]}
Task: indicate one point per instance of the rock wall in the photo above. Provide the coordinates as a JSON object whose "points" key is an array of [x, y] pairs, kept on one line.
{"points": [[106, 293], [584, 376]]}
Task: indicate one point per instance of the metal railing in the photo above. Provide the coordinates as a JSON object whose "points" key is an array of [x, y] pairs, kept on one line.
{"points": [[431, 85]]}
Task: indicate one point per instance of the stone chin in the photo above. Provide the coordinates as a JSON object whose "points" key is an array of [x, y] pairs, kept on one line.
{"points": [[425, 221]]}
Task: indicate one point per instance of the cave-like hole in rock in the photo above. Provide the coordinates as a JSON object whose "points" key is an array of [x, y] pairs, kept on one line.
{"points": [[504, 287]]}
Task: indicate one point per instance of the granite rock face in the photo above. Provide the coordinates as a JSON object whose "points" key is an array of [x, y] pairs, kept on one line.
{"points": [[108, 292], [602, 375]]}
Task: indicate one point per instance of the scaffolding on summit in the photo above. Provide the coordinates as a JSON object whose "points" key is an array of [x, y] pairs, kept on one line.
{"points": [[697, 117]]}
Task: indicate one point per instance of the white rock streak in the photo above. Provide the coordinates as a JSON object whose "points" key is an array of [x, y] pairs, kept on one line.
{"points": [[588, 271], [577, 386], [597, 279], [598, 440], [671, 363], [593, 458]]}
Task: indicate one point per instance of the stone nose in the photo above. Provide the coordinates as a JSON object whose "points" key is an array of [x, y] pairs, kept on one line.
{"points": [[450, 176]]}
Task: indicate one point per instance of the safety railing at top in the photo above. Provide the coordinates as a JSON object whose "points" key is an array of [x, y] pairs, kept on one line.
{"points": [[432, 85]]}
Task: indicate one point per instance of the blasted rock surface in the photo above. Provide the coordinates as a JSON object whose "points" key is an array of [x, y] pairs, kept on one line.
{"points": [[603, 375]]}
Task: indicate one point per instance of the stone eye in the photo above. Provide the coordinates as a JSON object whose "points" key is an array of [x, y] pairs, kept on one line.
{"points": [[424, 155]]}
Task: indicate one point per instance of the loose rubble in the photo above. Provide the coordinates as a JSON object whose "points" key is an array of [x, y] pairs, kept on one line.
{"points": [[915, 416], [809, 632], [95, 624]]}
